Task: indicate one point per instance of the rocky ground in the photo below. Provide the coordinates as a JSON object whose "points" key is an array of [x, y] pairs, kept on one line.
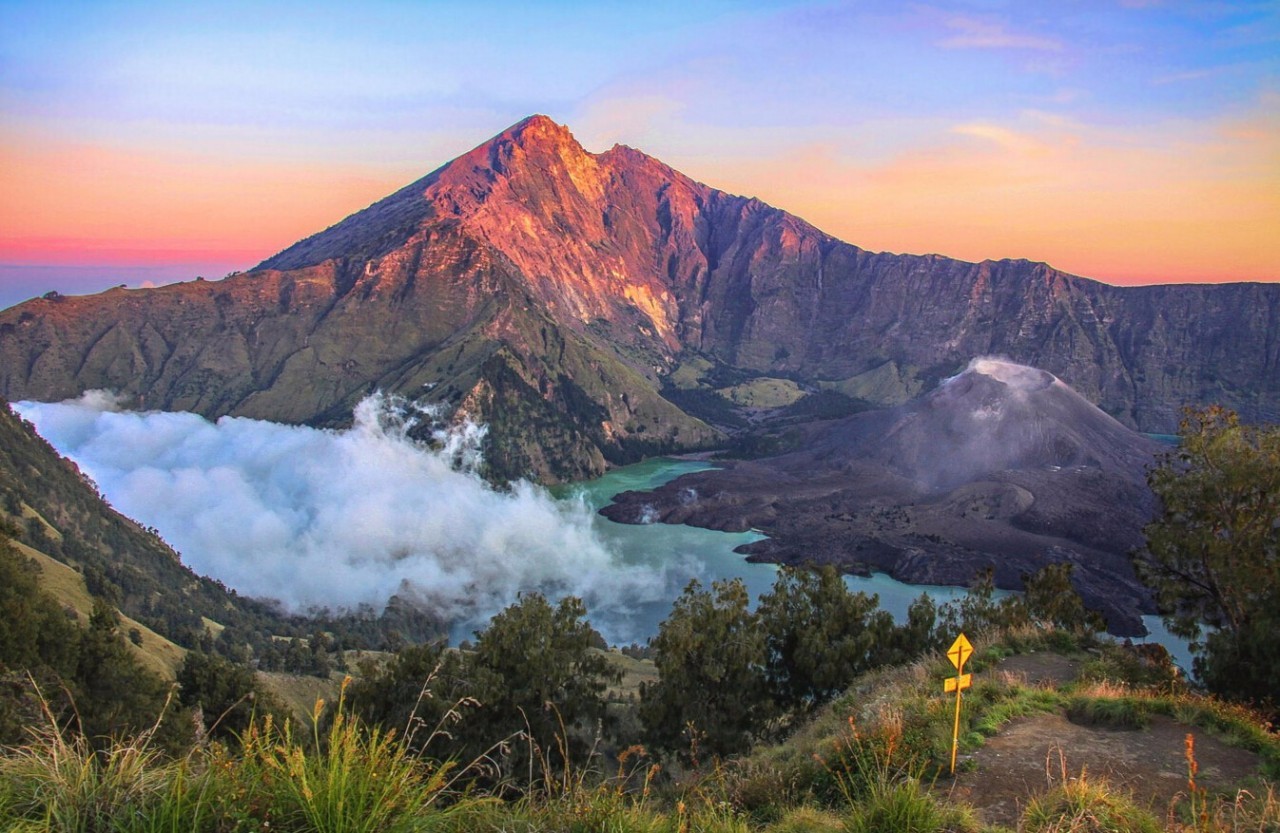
{"points": [[1002, 467]]}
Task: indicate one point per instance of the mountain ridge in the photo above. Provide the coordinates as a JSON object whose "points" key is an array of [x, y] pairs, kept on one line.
{"points": [[554, 294]]}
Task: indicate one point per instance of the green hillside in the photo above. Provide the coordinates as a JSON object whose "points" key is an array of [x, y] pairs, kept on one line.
{"points": [[59, 513]]}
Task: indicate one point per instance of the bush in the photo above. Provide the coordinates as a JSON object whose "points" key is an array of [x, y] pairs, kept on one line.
{"points": [[1122, 712]]}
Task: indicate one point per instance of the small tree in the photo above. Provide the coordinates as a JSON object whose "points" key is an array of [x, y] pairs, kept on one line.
{"points": [[1213, 553], [227, 694], [34, 631], [920, 633], [712, 692], [819, 636], [538, 673], [418, 694], [114, 694], [1053, 599], [37, 642]]}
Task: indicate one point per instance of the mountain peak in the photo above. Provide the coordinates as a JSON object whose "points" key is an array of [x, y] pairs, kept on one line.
{"points": [[1015, 376], [539, 128], [532, 147], [536, 135]]}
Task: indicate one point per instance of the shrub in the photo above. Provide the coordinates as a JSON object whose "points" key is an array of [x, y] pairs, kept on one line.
{"points": [[808, 819], [1122, 712]]}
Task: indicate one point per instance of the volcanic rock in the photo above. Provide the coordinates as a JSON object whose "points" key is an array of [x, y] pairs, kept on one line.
{"points": [[1002, 466]]}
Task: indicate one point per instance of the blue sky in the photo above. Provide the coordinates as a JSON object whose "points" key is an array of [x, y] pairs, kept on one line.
{"points": [[1133, 142]]}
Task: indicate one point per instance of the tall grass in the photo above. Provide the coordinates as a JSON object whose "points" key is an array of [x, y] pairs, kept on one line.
{"points": [[346, 781], [179, 804], [907, 807], [342, 780], [1196, 812], [1086, 805], [57, 781], [880, 773]]}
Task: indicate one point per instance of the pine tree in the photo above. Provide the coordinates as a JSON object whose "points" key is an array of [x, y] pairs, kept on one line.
{"points": [[819, 636], [712, 695], [1213, 554]]}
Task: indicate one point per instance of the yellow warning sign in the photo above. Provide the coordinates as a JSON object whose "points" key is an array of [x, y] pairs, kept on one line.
{"points": [[958, 653]]}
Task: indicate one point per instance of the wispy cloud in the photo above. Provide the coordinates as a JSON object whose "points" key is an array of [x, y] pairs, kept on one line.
{"points": [[1004, 138], [1201, 74], [1176, 200], [971, 33]]}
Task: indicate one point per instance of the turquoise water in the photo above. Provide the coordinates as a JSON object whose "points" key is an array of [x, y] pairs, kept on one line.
{"points": [[672, 554], [706, 554], [896, 597], [709, 554], [683, 552], [689, 552], [1177, 647]]}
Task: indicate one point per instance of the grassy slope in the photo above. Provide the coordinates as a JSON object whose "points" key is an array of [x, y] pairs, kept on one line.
{"points": [[763, 392], [634, 673], [66, 586], [60, 514], [301, 693], [898, 721]]}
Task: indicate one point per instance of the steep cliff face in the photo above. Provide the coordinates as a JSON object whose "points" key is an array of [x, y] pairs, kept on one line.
{"points": [[551, 291]]}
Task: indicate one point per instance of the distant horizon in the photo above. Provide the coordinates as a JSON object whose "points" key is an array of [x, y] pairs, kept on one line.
{"points": [[23, 282], [1124, 141]]}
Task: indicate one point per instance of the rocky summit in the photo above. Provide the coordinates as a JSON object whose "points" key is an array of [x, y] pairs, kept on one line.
{"points": [[598, 308], [1002, 467]]}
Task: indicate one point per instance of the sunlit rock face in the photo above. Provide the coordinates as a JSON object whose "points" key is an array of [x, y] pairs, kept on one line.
{"points": [[549, 292], [1002, 466]]}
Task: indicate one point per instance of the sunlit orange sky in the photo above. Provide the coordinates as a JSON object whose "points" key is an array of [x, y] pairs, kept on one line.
{"points": [[1131, 141]]}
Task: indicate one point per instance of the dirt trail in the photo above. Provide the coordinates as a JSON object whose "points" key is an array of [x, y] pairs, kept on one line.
{"points": [[1031, 754]]}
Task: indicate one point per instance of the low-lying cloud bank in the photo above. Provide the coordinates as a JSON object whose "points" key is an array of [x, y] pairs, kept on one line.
{"points": [[341, 518]]}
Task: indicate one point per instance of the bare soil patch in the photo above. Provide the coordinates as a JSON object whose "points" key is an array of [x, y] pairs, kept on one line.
{"points": [[1031, 754], [1041, 668]]}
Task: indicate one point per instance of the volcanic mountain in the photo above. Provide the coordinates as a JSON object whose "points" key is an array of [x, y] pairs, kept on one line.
{"points": [[1002, 466], [570, 300]]}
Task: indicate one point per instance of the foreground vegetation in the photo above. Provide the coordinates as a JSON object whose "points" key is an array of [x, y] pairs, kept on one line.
{"points": [[873, 760], [1213, 553]]}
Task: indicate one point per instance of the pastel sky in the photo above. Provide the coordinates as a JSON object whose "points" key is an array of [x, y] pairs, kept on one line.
{"points": [[1132, 141]]}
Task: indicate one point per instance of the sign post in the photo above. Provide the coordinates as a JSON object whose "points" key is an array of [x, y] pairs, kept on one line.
{"points": [[959, 651]]}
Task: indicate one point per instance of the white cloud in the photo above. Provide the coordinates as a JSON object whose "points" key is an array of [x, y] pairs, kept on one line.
{"points": [[340, 518]]}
